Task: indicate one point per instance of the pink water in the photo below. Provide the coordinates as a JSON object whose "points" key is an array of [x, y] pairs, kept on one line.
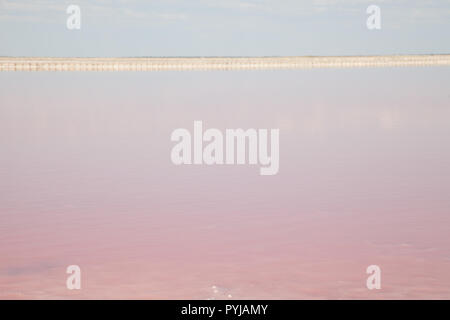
{"points": [[86, 179]]}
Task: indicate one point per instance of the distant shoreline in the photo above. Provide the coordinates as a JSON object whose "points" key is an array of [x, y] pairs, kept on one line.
{"points": [[218, 63]]}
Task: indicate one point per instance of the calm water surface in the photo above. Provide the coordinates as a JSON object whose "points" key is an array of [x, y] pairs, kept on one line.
{"points": [[86, 179]]}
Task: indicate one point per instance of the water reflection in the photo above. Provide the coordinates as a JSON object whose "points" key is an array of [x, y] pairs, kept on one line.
{"points": [[86, 179]]}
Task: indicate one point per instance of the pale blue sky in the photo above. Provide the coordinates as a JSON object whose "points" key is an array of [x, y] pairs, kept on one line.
{"points": [[223, 28]]}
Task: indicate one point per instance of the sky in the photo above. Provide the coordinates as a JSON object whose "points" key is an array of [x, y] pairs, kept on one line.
{"points": [[223, 28]]}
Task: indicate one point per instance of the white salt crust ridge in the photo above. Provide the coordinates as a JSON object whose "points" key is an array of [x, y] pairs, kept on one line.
{"points": [[217, 63]]}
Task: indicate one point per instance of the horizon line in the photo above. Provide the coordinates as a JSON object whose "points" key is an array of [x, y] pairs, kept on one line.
{"points": [[217, 62]]}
